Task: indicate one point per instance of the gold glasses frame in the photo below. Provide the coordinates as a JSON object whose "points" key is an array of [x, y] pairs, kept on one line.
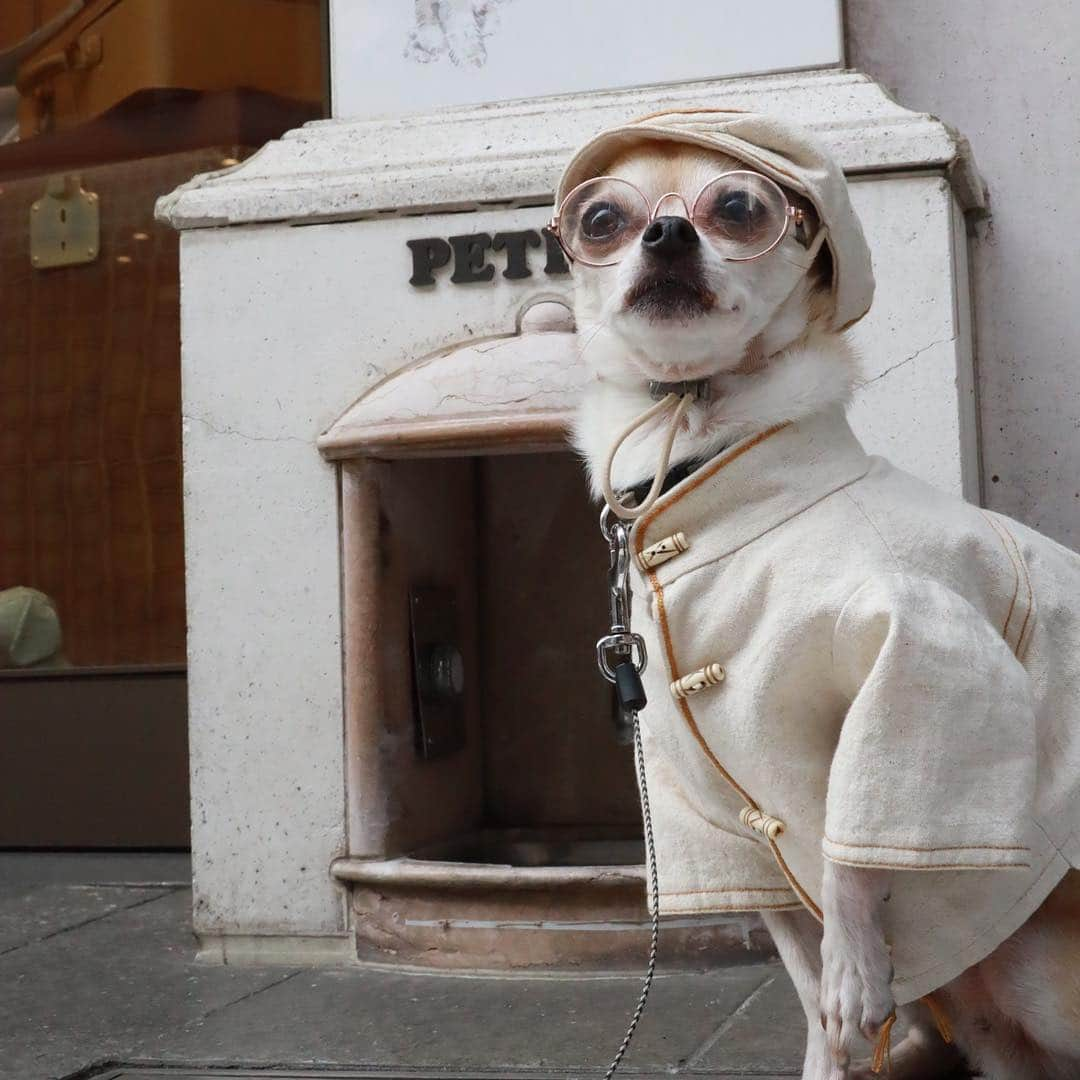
{"points": [[791, 214]]}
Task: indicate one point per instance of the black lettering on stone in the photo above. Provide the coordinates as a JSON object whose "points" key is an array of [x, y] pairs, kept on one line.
{"points": [[516, 245], [469, 261], [427, 255], [556, 260]]}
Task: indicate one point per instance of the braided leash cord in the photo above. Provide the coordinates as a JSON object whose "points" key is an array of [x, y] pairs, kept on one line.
{"points": [[654, 902]]}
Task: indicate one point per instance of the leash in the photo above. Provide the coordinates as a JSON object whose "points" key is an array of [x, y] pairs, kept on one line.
{"points": [[621, 657], [654, 904], [621, 654]]}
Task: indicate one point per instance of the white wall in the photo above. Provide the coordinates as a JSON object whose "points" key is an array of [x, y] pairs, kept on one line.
{"points": [[393, 56], [1007, 76]]}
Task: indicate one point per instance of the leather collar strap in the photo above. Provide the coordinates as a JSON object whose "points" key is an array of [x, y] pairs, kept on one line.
{"points": [[698, 389]]}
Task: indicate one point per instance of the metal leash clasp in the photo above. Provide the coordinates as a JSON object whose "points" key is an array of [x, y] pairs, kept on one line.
{"points": [[620, 653]]}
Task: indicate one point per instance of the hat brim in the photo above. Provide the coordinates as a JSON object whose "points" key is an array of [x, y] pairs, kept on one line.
{"points": [[594, 156]]}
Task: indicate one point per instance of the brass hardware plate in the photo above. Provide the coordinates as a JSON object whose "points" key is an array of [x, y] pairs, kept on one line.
{"points": [[65, 224], [438, 689]]}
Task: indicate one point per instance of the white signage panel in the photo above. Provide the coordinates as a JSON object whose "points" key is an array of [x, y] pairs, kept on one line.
{"points": [[404, 56]]}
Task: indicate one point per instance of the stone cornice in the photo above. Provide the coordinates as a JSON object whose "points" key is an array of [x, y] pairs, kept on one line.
{"points": [[513, 152]]}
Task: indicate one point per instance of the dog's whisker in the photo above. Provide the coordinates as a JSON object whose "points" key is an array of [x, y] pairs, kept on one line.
{"points": [[584, 346]]}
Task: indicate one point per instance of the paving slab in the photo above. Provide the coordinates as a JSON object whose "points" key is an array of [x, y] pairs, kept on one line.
{"points": [[768, 1032], [149, 1073], [96, 992], [31, 913], [98, 973], [387, 1019], [140, 1073]]}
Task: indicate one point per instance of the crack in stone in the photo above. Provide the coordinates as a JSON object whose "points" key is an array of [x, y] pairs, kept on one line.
{"points": [[244, 435], [907, 360], [542, 388], [93, 919], [695, 1058], [244, 997]]}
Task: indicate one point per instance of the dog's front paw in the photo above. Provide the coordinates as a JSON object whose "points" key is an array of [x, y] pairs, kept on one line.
{"points": [[856, 990]]}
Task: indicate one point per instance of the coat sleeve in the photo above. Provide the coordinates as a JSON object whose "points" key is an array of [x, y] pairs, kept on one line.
{"points": [[935, 762]]}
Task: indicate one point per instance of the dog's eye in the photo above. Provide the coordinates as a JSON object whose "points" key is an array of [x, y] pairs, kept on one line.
{"points": [[602, 221], [743, 213], [735, 208]]}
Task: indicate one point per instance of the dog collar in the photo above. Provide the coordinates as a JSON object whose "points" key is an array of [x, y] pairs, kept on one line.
{"points": [[698, 389], [679, 397], [675, 476]]}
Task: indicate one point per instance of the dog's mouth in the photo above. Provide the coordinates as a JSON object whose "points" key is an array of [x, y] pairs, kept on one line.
{"points": [[661, 294]]}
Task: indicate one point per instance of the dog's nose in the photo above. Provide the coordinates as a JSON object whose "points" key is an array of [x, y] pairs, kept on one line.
{"points": [[670, 237]]}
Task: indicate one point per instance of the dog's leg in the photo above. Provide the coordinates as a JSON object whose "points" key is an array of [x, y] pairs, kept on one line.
{"points": [[856, 992], [797, 935], [1016, 1014], [995, 1044]]}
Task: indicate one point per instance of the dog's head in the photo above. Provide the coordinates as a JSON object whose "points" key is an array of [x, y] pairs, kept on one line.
{"points": [[682, 290]]}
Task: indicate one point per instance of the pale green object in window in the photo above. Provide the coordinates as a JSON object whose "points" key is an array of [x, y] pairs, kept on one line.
{"points": [[29, 627]]}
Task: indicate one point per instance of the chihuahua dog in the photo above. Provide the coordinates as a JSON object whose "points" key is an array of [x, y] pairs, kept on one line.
{"points": [[672, 309]]}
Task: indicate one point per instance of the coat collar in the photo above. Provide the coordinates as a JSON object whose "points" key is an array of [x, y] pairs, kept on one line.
{"points": [[756, 484]]}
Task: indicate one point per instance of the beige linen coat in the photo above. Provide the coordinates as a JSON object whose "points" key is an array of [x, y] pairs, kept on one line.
{"points": [[895, 682]]}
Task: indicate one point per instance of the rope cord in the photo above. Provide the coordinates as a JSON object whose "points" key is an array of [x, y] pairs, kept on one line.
{"points": [[654, 902], [681, 404]]}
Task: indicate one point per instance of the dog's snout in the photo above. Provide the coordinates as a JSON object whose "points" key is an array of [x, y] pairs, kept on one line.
{"points": [[669, 237]]}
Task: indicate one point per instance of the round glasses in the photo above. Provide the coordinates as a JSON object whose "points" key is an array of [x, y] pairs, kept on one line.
{"points": [[743, 214]]}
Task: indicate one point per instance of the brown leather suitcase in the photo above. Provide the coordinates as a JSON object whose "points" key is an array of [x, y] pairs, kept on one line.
{"points": [[114, 49], [90, 480]]}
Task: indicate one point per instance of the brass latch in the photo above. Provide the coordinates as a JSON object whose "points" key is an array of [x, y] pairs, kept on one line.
{"points": [[65, 224]]}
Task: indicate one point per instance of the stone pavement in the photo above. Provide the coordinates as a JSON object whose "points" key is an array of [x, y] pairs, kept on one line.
{"points": [[97, 969]]}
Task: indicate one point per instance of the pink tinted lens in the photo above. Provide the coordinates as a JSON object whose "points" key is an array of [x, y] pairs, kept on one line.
{"points": [[742, 213], [601, 219]]}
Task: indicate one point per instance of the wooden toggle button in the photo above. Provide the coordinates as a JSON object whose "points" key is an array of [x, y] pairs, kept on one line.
{"points": [[769, 827], [657, 554], [696, 681]]}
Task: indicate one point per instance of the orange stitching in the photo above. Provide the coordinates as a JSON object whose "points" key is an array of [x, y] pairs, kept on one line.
{"points": [[1016, 573], [794, 906], [1022, 654], [960, 847], [803, 895], [684, 708], [700, 477], [1027, 582], [933, 866], [661, 612], [734, 888]]}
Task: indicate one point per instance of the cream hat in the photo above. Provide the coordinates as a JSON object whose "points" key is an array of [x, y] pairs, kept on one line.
{"points": [[779, 150]]}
